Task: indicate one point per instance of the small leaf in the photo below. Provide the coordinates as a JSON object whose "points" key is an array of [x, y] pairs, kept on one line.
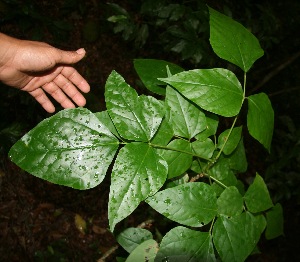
{"points": [[185, 245], [80, 223], [231, 142], [204, 149], [139, 171], [135, 118], [178, 162], [260, 119], [191, 204], [186, 119], [232, 41], [236, 237], [144, 252], [257, 197], [72, 148], [230, 202], [149, 70], [131, 237], [237, 159], [215, 90], [212, 122], [274, 222]]}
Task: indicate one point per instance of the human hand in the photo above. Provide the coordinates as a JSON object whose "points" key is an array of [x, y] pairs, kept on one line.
{"points": [[39, 68]]}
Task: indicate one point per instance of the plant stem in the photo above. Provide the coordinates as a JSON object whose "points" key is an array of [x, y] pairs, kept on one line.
{"points": [[226, 139], [178, 150]]}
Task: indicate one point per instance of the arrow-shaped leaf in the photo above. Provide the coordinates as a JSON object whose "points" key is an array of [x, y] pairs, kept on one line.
{"points": [[232, 41], [257, 197], [139, 171], [135, 118]]}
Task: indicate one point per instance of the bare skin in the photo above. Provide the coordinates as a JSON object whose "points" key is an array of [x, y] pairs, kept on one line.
{"points": [[41, 69]]}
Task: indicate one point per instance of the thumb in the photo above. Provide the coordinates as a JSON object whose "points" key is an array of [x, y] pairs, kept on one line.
{"points": [[70, 57]]}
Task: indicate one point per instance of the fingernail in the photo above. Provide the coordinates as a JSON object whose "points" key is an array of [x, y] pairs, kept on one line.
{"points": [[80, 51]]}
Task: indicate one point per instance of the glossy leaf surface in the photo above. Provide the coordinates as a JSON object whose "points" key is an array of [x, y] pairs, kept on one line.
{"points": [[257, 197], [215, 90], [72, 148], [191, 204], [232, 41], [135, 118], [236, 237], [149, 70], [181, 244], [186, 119], [260, 119], [139, 171]]}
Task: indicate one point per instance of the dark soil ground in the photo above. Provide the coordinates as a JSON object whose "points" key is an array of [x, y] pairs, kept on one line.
{"points": [[40, 221]]}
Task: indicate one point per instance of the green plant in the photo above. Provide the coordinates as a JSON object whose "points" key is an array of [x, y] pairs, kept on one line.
{"points": [[170, 154], [180, 28]]}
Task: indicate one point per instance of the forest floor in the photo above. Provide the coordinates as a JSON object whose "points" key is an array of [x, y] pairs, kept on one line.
{"points": [[40, 221]]}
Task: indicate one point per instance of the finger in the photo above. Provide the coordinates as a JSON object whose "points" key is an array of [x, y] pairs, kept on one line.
{"points": [[54, 90], [71, 74], [69, 89], [42, 98], [69, 57]]}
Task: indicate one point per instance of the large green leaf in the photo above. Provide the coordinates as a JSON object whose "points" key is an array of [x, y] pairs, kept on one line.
{"points": [[135, 118], [132, 237], [178, 162], [229, 143], [139, 171], [216, 90], [144, 252], [232, 41], [236, 237], [230, 202], [182, 244], [149, 70], [191, 204], [257, 197], [72, 148], [186, 119], [260, 119]]}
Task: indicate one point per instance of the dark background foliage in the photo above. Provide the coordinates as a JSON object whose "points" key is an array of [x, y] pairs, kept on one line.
{"points": [[37, 219]]}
